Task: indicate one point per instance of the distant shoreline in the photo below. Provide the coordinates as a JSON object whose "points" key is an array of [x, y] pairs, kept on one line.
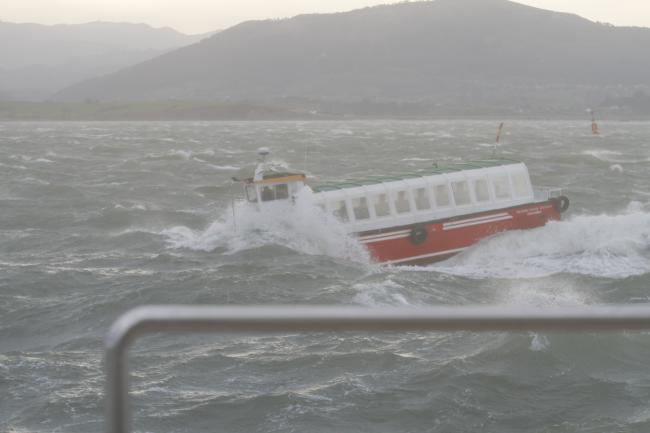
{"points": [[147, 111]]}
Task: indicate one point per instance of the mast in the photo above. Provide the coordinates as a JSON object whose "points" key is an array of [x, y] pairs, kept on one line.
{"points": [[262, 153], [594, 126], [496, 143]]}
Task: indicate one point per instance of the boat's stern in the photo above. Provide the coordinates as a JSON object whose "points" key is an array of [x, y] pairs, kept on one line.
{"points": [[554, 196]]}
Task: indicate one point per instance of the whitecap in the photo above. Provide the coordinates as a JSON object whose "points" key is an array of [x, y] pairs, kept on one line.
{"points": [[224, 167], [602, 154], [613, 156], [380, 294], [539, 343], [302, 227], [185, 154], [133, 206], [609, 246], [341, 131], [417, 159]]}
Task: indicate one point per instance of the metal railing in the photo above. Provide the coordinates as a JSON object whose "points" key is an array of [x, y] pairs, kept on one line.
{"points": [[150, 319]]}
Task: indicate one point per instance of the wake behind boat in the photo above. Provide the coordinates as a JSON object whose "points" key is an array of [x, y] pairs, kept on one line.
{"points": [[422, 216]]}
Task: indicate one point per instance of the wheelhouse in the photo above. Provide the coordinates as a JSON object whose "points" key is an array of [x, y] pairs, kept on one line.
{"points": [[274, 187]]}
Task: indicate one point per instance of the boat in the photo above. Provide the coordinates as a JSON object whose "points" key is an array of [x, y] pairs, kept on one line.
{"points": [[422, 216]]}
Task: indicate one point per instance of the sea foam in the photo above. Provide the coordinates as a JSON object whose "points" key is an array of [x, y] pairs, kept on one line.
{"points": [[301, 226], [609, 246]]}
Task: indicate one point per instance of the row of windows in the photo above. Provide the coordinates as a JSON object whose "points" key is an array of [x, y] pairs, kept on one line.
{"points": [[425, 197]]}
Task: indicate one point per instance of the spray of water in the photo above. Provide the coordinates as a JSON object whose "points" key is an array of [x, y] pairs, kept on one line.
{"points": [[301, 226], [609, 246]]}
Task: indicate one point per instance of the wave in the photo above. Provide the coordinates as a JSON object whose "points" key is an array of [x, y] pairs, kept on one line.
{"points": [[609, 246], [302, 227], [613, 156], [182, 154], [341, 131], [221, 167], [417, 159], [381, 294]]}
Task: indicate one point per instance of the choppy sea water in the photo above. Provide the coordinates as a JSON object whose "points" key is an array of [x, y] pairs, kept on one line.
{"points": [[97, 218]]}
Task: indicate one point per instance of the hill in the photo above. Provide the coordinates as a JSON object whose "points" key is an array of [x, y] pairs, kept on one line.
{"points": [[446, 53], [38, 60]]}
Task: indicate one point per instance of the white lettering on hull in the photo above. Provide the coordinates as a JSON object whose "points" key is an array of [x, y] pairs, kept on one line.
{"points": [[401, 234], [476, 221]]}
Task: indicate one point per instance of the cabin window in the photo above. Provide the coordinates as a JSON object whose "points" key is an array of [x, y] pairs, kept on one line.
{"points": [[402, 204], [442, 195], [380, 203], [267, 193], [422, 199], [481, 190], [461, 192], [501, 186], [360, 208], [251, 195], [274, 192], [281, 191], [340, 210], [520, 182]]}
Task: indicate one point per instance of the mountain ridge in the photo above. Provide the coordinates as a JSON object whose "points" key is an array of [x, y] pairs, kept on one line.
{"points": [[37, 60], [451, 51]]}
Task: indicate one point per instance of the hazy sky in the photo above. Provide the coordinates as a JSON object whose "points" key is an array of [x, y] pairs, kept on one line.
{"points": [[198, 16]]}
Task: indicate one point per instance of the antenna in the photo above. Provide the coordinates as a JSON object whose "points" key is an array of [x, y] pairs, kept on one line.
{"points": [[232, 205], [262, 153]]}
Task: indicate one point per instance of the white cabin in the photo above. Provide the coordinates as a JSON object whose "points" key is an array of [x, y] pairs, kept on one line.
{"points": [[428, 195]]}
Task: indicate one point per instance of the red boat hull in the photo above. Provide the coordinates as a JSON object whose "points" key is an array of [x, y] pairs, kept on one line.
{"points": [[438, 240]]}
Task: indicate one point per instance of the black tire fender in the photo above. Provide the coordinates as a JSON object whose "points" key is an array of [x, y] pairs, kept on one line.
{"points": [[561, 203], [418, 235]]}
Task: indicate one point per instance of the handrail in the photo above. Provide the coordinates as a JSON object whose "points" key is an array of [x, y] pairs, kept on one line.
{"points": [[148, 319]]}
